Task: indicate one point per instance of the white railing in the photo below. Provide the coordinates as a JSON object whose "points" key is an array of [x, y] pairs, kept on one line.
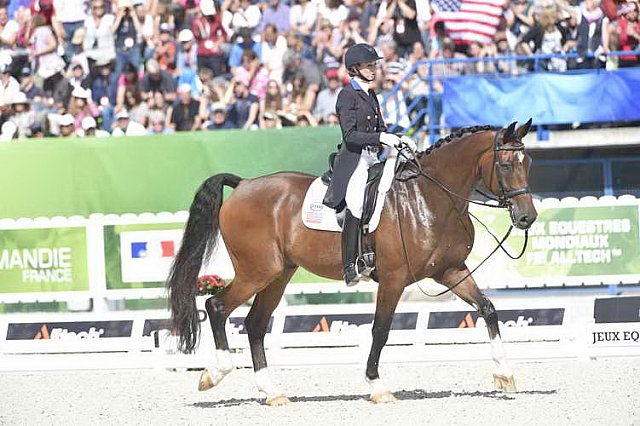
{"points": [[98, 290]]}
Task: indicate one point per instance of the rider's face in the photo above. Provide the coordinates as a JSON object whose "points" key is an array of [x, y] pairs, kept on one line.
{"points": [[368, 70]]}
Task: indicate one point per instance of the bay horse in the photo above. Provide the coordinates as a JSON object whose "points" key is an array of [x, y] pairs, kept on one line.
{"points": [[424, 231]]}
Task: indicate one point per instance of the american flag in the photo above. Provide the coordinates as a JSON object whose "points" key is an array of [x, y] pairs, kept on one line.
{"points": [[469, 20]]}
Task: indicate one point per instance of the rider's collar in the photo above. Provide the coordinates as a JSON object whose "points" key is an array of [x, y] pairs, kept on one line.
{"points": [[360, 84]]}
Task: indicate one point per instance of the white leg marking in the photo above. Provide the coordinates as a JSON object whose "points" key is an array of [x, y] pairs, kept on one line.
{"points": [[377, 386], [265, 385], [499, 358], [223, 358], [380, 392]]}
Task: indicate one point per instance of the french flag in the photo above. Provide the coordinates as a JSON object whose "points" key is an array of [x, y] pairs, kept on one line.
{"points": [[152, 249]]}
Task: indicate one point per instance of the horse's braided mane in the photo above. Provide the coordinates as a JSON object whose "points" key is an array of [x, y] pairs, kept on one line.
{"points": [[455, 135]]}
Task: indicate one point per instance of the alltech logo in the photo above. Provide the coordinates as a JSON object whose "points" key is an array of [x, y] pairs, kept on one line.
{"points": [[506, 318], [81, 330], [338, 323]]}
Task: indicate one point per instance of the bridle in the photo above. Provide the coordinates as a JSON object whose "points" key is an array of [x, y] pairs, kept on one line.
{"points": [[503, 200], [505, 196]]}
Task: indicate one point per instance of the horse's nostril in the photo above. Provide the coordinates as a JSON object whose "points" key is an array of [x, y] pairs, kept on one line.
{"points": [[524, 220]]}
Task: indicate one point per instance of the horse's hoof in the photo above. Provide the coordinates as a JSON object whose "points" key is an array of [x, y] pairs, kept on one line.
{"points": [[504, 383], [383, 397], [278, 400], [209, 379], [206, 381]]}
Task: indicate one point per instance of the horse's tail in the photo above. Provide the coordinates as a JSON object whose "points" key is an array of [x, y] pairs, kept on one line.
{"points": [[199, 241]]}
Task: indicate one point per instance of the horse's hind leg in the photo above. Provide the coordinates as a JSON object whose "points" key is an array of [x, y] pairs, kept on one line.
{"points": [[218, 310], [388, 297], [256, 323], [468, 291]]}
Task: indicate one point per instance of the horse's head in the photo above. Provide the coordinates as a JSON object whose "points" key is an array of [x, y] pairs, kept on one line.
{"points": [[508, 174]]}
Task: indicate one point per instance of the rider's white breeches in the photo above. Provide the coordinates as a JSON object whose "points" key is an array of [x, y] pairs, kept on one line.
{"points": [[355, 189]]}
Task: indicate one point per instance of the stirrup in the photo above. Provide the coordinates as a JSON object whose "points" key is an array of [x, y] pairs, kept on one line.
{"points": [[366, 264], [351, 275]]}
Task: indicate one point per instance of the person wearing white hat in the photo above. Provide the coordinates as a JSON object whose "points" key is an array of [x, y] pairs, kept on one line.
{"points": [[219, 119], [207, 7], [81, 105], [187, 56], [210, 35], [22, 115], [90, 128], [125, 126], [66, 125]]}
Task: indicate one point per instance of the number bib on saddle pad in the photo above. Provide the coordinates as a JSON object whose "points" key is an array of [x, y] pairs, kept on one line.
{"points": [[316, 215]]}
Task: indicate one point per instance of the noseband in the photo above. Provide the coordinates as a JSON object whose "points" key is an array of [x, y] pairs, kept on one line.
{"points": [[504, 199]]}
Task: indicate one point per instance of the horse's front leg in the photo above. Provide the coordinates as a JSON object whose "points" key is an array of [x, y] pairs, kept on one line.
{"points": [[468, 291], [388, 296]]}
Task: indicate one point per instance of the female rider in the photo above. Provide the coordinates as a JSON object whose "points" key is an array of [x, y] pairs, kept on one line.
{"points": [[363, 134]]}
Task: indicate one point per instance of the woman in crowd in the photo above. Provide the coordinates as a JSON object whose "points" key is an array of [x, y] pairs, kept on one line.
{"points": [[545, 37], [271, 105], [44, 57], [81, 106], [99, 39]]}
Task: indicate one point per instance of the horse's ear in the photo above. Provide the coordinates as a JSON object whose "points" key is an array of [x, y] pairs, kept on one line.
{"points": [[509, 134], [524, 129]]}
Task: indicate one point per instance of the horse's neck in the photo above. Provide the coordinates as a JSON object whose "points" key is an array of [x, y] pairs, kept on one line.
{"points": [[457, 164]]}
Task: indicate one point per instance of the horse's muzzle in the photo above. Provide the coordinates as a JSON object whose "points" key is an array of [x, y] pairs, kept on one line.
{"points": [[524, 221]]}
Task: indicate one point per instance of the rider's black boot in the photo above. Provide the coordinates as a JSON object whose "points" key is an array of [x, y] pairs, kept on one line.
{"points": [[350, 234]]}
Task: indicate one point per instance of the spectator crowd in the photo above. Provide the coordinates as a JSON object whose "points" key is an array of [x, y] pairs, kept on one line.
{"points": [[133, 67]]}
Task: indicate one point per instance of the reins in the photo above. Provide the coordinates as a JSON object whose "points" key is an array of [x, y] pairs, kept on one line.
{"points": [[503, 202]]}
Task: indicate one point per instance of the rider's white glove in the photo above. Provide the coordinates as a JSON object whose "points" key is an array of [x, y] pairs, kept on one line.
{"points": [[389, 139], [410, 143]]}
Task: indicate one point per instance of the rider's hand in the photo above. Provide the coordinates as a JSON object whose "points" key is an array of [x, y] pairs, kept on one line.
{"points": [[409, 142], [389, 139]]}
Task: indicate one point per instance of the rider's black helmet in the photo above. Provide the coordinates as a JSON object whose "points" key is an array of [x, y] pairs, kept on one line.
{"points": [[360, 53]]}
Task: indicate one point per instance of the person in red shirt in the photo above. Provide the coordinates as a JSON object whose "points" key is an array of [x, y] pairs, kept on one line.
{"points": [[165, 51], [629, 34], [210, 35]]}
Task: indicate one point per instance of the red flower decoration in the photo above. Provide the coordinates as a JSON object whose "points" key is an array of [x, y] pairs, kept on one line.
{"points": [[210, 285]]}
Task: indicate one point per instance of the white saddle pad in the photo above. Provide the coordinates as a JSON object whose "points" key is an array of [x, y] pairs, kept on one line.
{"points": [[316, 215]]}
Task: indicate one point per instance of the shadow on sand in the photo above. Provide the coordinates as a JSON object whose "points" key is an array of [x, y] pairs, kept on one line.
{"points": [[404, 395]]}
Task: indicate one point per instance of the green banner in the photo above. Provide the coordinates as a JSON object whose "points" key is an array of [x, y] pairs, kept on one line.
{"points": [[39, 260], [81, 176], [140, 255], [565, 242]]}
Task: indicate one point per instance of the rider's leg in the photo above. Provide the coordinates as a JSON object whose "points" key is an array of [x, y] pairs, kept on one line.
{"points": [[351, 228], [350, 234]]}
